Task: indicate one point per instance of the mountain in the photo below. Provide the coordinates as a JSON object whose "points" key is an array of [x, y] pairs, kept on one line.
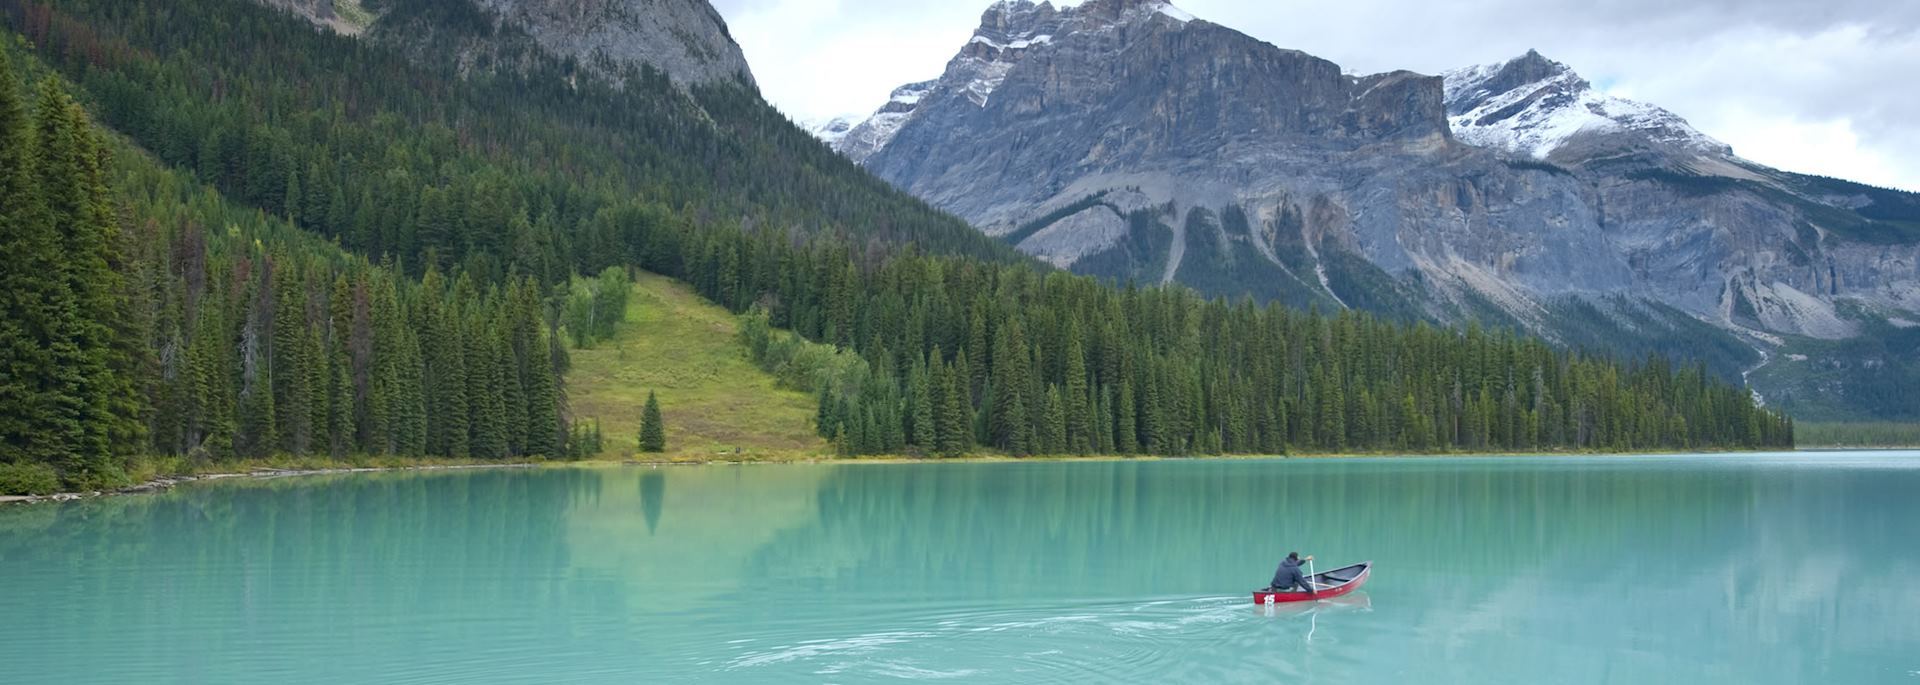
{"points": [[1128, 140], [308, 243], [1537, 107], [685, 39]]}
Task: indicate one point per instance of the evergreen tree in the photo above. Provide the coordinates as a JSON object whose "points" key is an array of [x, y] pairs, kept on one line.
{"points": [[953, 425], [925, 430], [1079, 411], [653, 431], [33, 299], [210, 399], [1012, 428], [66, 170], [487, 411], [1126, 433], [536, 363], [1054, 439]]}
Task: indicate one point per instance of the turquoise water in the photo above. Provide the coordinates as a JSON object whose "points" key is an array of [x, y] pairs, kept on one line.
{"points": [[1731, 569]]}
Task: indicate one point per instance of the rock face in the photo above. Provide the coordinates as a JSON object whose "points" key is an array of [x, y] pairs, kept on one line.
{"points": [[685, 39], [1127, 139], [346, 17]]}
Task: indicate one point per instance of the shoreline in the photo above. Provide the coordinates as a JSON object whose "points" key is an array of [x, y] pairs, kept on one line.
{"points": [[165, 483]]}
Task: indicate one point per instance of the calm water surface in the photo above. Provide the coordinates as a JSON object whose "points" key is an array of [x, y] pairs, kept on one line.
{"points": [[1782, 568]]}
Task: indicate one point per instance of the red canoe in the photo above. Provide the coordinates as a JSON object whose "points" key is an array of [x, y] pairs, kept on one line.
{"points": [[1329, 584]]}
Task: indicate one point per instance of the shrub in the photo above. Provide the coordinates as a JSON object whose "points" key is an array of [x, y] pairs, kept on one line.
{"points": [[28, 479]]}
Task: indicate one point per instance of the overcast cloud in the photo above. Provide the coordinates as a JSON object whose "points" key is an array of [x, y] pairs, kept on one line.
{"points": [[1817, 86]]}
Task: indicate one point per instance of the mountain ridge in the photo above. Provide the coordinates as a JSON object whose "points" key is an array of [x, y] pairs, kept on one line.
{"points": [[685, 39], [1109, 141]]}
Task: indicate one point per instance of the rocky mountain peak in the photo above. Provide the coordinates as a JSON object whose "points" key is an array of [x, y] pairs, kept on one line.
{"points": [[1536, 107], [686, 39], [1011, 14], [1469, 86], [1125, 140]]}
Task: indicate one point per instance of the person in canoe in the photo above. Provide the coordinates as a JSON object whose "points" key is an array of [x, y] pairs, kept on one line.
{"points": [[1288, 576]]}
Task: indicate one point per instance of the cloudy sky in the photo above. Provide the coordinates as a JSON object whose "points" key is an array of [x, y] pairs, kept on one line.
{"points": [[1817, 86]]}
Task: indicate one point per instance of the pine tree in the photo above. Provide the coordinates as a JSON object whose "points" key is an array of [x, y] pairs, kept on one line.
{"points": [[485, 404], [66, 169], [1012, 428], [1054, 440], [341, 408], [953, 424], [1126, 432], [925, 430], [289, 361], [446, 366], [257, 436], [32, 297], [536, 364], [827, 418], [210, 390], [1155, 431], [1079, 412]]}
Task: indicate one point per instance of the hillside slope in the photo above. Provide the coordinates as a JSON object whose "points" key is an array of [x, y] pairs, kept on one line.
{"points": [[713, 399]]}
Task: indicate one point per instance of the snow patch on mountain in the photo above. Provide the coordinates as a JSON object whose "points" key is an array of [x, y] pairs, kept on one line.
{"points": [[831, 131], [1534, 106], [1009, 30], [1017, 44], [1178, 14], [857, 139]]}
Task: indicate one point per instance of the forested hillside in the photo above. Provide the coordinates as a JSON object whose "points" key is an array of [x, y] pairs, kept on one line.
{"points": [[469, 201], [144, 315], [534, 170]]}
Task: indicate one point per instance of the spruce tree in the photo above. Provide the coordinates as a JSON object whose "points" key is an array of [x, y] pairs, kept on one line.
{"points": [[32, 296], [827, 418], [1012, 426], [66, 169], [953, 424], [925, 429], [536, 363], [485, 405], [1054, 440], [1079, 411], [651, 428], [210, 403]]}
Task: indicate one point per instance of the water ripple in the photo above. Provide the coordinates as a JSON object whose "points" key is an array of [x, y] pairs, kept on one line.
{"points": [[1164, 639]]}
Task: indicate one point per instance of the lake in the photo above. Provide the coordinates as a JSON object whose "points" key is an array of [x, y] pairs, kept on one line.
{"points": [[1771, 568]]}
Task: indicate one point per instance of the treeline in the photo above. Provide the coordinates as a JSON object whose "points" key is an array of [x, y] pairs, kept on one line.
{"points": [[1868, 434], [134, 326], [961, 354]]}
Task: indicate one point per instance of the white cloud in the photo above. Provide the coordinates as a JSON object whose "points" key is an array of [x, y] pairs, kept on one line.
{"points": [[1817, 86], [816, 59]]}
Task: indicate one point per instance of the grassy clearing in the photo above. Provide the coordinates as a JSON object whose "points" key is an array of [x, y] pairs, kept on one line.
{"points": [[713, 398]]}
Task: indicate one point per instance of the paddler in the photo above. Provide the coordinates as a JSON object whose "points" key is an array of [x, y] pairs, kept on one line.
{"points": [[1288, 576]]}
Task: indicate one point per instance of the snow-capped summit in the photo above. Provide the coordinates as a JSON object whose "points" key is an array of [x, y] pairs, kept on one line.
{"points": [[1009, 31], [831, 131], [1534, 106]]}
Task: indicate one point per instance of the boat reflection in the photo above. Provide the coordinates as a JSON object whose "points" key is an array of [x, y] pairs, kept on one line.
{"points": [[1356, 602]]}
